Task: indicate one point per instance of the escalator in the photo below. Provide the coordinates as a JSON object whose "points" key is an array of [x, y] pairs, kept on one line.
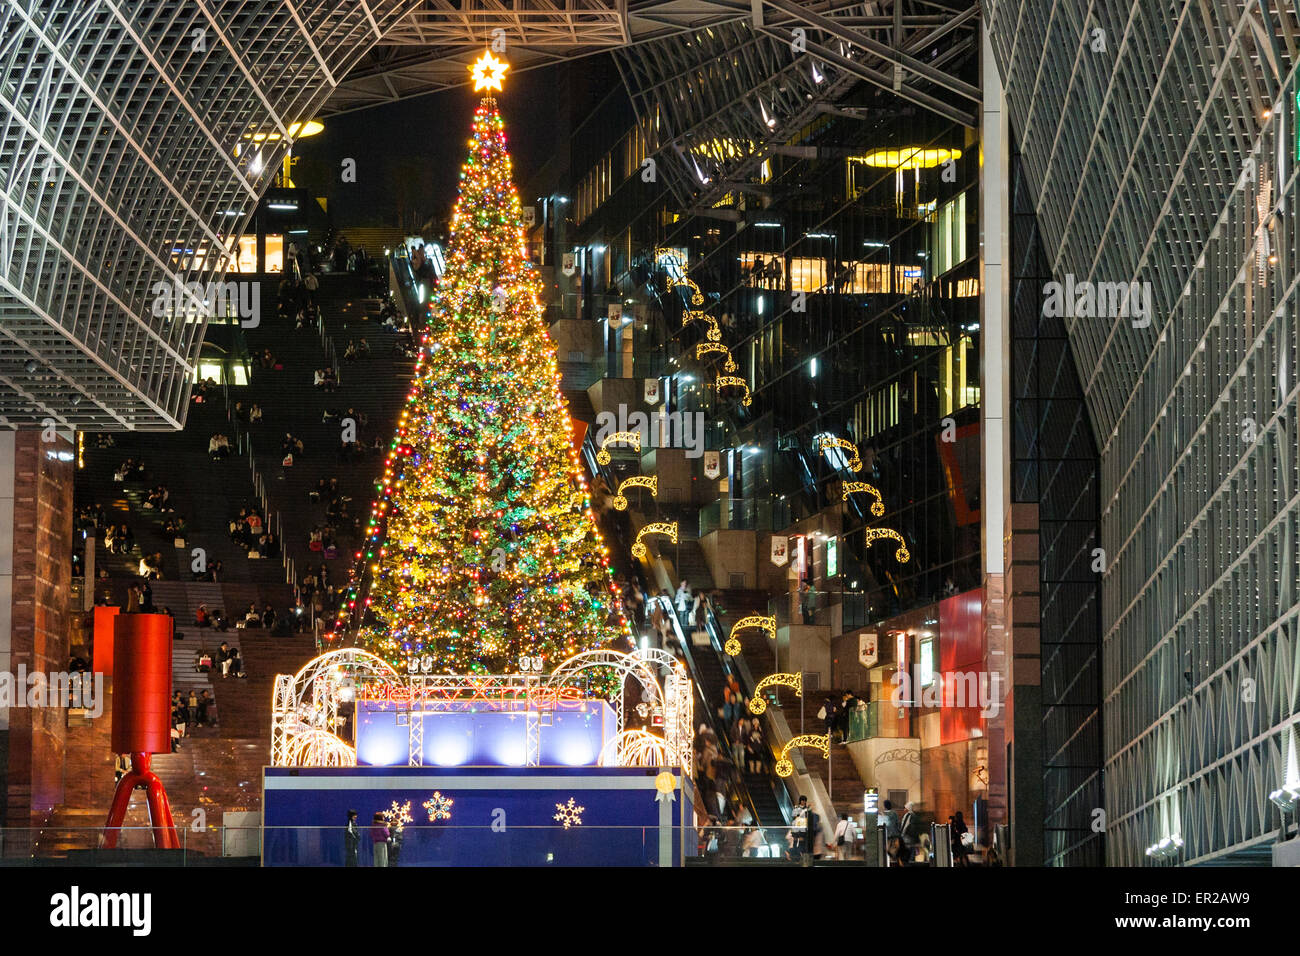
{"points": [[767, 800]]}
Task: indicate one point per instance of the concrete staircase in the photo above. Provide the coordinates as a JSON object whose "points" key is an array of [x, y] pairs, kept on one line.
{"points": [[840, 774], [244, 704], [375, 386]]}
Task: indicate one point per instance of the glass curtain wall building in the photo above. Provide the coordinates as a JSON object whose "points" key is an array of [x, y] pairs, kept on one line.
{"points": [[1161, 147], [1054, 469], [840, 282], [847, 291]]}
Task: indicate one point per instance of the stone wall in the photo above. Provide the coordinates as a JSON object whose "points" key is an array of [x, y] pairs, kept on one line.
{"points": [[39, 561]]}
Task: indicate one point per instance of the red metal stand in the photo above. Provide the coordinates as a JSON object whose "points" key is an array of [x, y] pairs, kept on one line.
{"points": [[142, 687], [160, 811]]}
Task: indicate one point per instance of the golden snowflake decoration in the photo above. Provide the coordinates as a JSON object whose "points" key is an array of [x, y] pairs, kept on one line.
{"points": [[399, 815], [570, 814], [439, 807]]}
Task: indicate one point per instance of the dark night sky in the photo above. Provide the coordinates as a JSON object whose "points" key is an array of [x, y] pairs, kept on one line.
{"points": [[409, 153]]}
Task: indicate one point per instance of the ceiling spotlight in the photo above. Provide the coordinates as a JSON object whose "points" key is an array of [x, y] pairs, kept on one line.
{"points": [[32, 366], [1286, 798], [1166, 849], [75, 398]]}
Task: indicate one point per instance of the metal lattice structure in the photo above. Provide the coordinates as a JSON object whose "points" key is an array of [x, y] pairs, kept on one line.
{"points": [[127, 160], [624, 665], [430, 49], [1161, 145], [719, 102], [450, 693], [679, 705]]}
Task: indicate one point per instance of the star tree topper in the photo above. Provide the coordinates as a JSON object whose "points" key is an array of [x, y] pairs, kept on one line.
{"points": [[488, 72]]}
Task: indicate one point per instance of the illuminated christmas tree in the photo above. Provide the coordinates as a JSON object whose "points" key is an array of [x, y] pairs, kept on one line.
{"points": [[482, 554]]}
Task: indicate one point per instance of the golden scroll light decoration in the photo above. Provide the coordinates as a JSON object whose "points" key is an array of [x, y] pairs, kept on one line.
{"points": [[795, 681], [767, 623], [821, 741], [618, 438], [723, 381], [636, 481], [697, 297], [855, 463], [657, 527], [715, 331], [853, 487], [706, 348], [902, 555]]}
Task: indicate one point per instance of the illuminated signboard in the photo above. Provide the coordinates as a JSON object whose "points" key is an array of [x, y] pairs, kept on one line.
{"points": [[870, 800], [926, 663]]}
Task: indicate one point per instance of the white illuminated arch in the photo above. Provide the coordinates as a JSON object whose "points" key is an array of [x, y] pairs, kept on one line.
{"points": [[635, 748], [306, 706], [319, 748]]}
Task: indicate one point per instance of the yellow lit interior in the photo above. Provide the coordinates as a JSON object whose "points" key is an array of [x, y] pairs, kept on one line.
{"points": [[911, 157]]}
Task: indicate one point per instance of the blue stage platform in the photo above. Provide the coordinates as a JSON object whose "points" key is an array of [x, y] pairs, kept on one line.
{"points": [[500, 816]]}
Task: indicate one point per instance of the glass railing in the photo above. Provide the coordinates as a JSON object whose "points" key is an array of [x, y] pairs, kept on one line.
{"points": [[878, 718], [41, 846], [427, 845], [776, 845], [736, 514], [573, 305]]}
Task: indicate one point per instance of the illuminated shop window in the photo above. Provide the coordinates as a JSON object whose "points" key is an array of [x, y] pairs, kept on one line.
{"points": [[949, 235], [274, 254]]}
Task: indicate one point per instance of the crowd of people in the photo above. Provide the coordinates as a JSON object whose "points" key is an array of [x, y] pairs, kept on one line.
{"points": [[129, 470], [249, 533], [251, 619], [837, 713], [689, 606], [158, 500], [189, 710], [247, 416], [119, 539], [907, 840], [150, 567], [296, 299]]}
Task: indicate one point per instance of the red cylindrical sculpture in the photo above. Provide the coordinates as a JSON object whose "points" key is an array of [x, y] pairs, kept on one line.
{"points": [[103, 639], [142, 684], [142, 718]]}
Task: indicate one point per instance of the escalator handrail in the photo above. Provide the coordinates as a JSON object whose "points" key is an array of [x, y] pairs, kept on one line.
{"points": [[691, 666]]}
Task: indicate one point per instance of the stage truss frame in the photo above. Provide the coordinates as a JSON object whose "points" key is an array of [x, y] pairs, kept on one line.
{"points": [[305, 705]]}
